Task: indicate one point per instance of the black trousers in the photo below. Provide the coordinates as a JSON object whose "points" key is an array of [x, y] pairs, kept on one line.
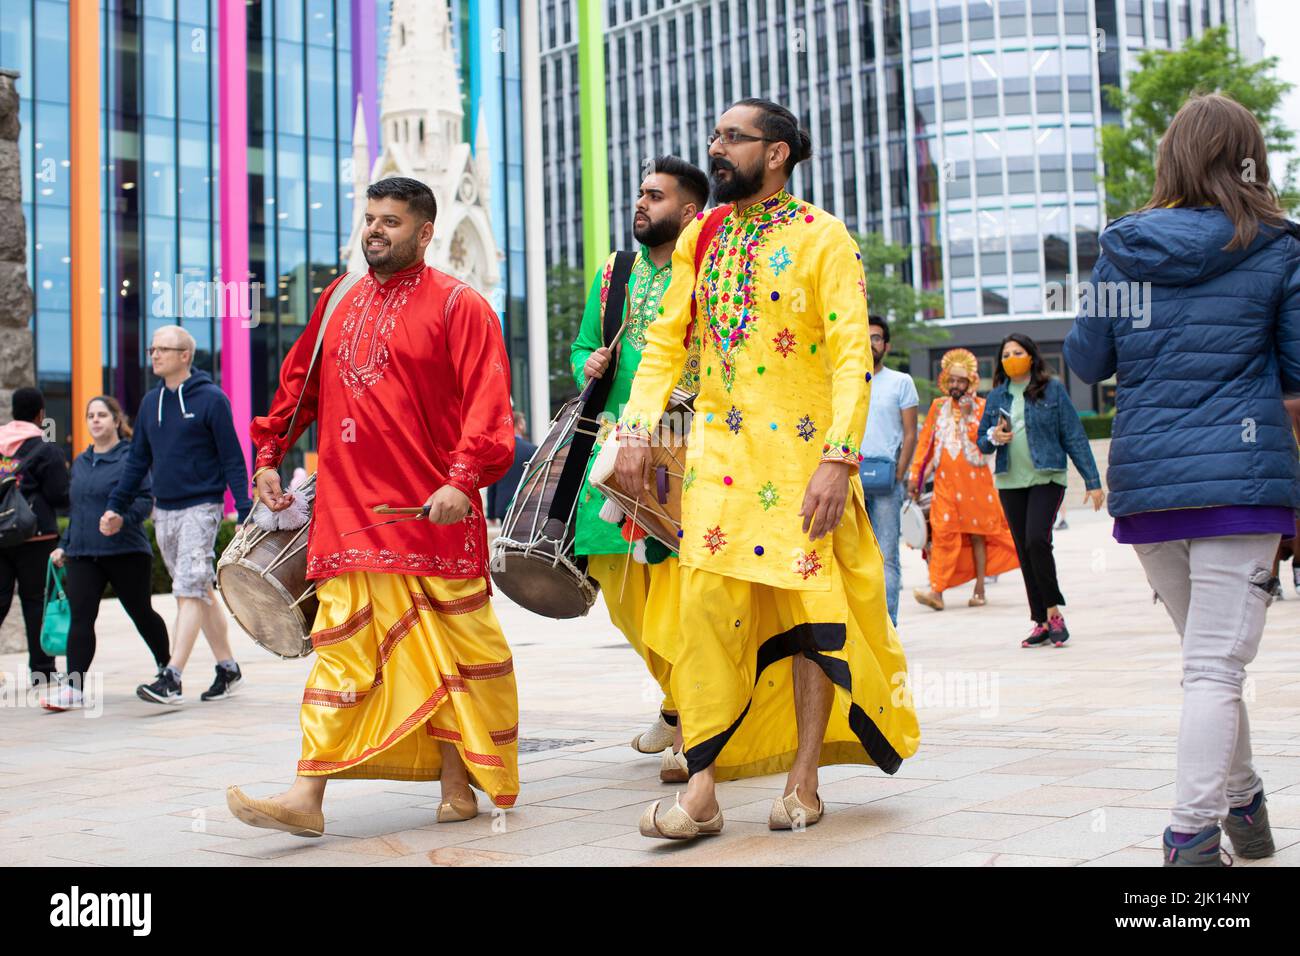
{"points": [[130, 576], [1031, 512], [24, 565]]}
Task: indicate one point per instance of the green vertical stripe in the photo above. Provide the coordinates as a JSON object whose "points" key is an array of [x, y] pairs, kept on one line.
{"points": [[595, 151]]}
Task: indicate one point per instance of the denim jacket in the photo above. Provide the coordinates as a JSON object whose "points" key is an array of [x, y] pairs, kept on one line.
{"points": [[1053, 428]]}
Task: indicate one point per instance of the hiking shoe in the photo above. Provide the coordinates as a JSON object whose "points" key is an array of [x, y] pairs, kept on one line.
{"points": [[1201, 850], [165, 690], [227, 681], [1057, 632], [1248, 829], [1038, 637], [67, 698]]}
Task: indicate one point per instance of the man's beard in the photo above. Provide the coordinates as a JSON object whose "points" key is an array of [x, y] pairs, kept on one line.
{"points": [[956, 395], [656, 232], [877, 357], [392, 258], [741, 184]]}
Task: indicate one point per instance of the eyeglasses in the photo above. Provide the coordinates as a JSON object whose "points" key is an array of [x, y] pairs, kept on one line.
{"points": [[732, 137], [878, 338], [155, 349]]}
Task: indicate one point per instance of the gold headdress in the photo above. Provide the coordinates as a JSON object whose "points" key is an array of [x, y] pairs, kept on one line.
{"points": [[961, 360]]}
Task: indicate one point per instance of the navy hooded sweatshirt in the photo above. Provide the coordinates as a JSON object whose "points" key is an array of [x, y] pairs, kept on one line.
{"points": [[186, 438]]}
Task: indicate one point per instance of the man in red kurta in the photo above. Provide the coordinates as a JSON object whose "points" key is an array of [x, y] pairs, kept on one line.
{"points": [[410, 393]]}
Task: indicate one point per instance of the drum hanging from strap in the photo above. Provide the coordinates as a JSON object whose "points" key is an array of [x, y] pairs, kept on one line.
{"points": [[659, 510], [262, 577], [532, 559], [914, 522]]}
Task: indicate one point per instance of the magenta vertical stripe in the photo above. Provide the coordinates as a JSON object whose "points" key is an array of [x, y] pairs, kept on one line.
{"points": [[236, 370]]}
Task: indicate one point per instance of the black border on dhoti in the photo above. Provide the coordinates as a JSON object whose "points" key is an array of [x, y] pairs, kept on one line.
{"points": [[811, 640]]}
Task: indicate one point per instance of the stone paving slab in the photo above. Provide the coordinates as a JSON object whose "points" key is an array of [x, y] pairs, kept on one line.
{"points": [[1051, 757]]}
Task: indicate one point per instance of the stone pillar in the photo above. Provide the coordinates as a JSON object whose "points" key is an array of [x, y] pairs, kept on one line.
{"points": [[15, 294], [15, 299]]}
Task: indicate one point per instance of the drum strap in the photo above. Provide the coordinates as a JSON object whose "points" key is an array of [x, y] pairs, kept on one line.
{"points": [[340, 290], [594, 396]]}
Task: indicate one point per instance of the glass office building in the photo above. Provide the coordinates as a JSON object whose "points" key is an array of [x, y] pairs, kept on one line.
{"points": [[161, 181], [968, 131]]}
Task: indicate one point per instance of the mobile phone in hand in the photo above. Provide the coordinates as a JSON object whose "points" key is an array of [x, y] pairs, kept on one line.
{"points": [[1004, 418]]}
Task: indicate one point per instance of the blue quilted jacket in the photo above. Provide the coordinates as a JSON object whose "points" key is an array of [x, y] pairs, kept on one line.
{"points": [[1203, 344]]}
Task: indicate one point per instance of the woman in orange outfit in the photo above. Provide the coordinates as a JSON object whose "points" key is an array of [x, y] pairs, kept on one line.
{"points": [[969, 535]]}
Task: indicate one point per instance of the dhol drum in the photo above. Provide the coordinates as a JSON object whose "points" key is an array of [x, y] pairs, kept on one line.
{"points": [[915, 522], [262, 577], [532, 559], [658, 511]]}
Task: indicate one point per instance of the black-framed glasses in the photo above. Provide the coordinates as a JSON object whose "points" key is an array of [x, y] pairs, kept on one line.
{"points": [[733, 137]]}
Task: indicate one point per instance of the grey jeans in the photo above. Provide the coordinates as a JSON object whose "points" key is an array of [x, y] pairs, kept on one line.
{"points": [[1216, 591]]}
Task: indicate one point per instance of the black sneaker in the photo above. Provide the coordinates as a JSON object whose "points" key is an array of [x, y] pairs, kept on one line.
{"points": [[226, 683], [165, 690]]}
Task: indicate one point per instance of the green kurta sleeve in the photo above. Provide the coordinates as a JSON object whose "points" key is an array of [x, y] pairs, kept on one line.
{"points": [[589, 333]]}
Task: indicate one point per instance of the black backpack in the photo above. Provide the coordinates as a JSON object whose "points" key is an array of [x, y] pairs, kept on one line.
{"points": [[17, 519]]}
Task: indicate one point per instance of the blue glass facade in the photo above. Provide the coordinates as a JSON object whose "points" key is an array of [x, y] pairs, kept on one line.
{"points": [[160, 175]]}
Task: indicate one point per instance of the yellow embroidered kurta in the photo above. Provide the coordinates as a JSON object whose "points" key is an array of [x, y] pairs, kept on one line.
{"points": [[784, 384]]}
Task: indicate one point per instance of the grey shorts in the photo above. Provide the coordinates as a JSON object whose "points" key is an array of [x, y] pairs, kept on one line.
{"points": [[187, 538]]}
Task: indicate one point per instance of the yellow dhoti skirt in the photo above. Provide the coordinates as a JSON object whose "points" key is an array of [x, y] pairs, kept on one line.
{"points": [[403, 663], [646, 597], [731, 657]]}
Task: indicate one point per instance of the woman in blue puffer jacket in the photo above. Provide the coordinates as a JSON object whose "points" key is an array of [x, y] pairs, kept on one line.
{"points": [[1194, 307]]}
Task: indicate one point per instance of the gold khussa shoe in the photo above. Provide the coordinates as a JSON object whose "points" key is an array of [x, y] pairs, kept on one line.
{"points": [[272, 816], [677, 824], [790, 813], [673, 769], [457, 808], [658, 738]]}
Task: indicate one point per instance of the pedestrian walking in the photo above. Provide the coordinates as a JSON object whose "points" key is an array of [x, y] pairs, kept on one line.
{"points": [[41, 471], [1203, 474], [1030, 424], [92, 560], [887, 451], [969, 535], [185, 436]]}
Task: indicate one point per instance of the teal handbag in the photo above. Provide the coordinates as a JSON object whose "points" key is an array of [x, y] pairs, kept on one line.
{"points": [[58, 615]]}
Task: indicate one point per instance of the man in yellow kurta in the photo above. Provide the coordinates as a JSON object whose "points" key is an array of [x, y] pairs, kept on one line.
{"points": [[784, 658]]}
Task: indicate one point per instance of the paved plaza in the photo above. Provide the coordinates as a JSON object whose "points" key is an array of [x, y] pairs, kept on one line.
{"points": [[1028, 758]]}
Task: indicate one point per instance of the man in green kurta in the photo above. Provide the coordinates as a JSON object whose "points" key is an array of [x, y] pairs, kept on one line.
{"points": [[641, 575]]}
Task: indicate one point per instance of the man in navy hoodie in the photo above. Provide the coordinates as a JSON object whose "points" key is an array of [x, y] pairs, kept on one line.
{"points": [[185, 435]]}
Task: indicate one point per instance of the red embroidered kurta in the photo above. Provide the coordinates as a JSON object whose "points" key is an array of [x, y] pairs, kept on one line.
{"points": [[411, 392]]}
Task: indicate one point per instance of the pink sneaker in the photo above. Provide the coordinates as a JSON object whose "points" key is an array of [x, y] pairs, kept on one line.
{"points": [[1057, 631], [1037, 637]]}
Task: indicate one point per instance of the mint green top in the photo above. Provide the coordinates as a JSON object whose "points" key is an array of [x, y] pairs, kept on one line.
{"points": [[594, 535], [1020, 471]]}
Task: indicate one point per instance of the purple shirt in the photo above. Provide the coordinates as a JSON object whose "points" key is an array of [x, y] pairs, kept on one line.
{"points": [[1152, 527]]}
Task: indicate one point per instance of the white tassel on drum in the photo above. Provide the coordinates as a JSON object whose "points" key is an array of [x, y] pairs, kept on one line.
{"points": [[611, 512], [296, 515], [264, 517]]}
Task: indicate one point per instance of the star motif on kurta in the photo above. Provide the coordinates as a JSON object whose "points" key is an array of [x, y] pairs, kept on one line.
{"points": [[780, 261], [714, 539], [806, 563], [734, 420], [806, 428], [768, 496], [862, 284], [785, 342], [688, 480]]}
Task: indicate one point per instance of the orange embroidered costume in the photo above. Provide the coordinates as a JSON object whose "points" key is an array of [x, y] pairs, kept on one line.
{"points": [[965, 502], [411, 392]]}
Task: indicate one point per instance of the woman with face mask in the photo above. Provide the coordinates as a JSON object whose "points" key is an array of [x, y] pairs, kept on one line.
{"points": [[1031, 425]]}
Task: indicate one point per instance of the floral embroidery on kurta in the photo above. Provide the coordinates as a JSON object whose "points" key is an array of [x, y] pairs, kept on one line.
{"points": [[363, 340], [714, 539], [785, 343], [806, 428], [768, 496]]}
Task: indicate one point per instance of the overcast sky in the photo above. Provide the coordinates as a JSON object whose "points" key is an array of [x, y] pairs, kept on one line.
{"points": [[1279, 28]]}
